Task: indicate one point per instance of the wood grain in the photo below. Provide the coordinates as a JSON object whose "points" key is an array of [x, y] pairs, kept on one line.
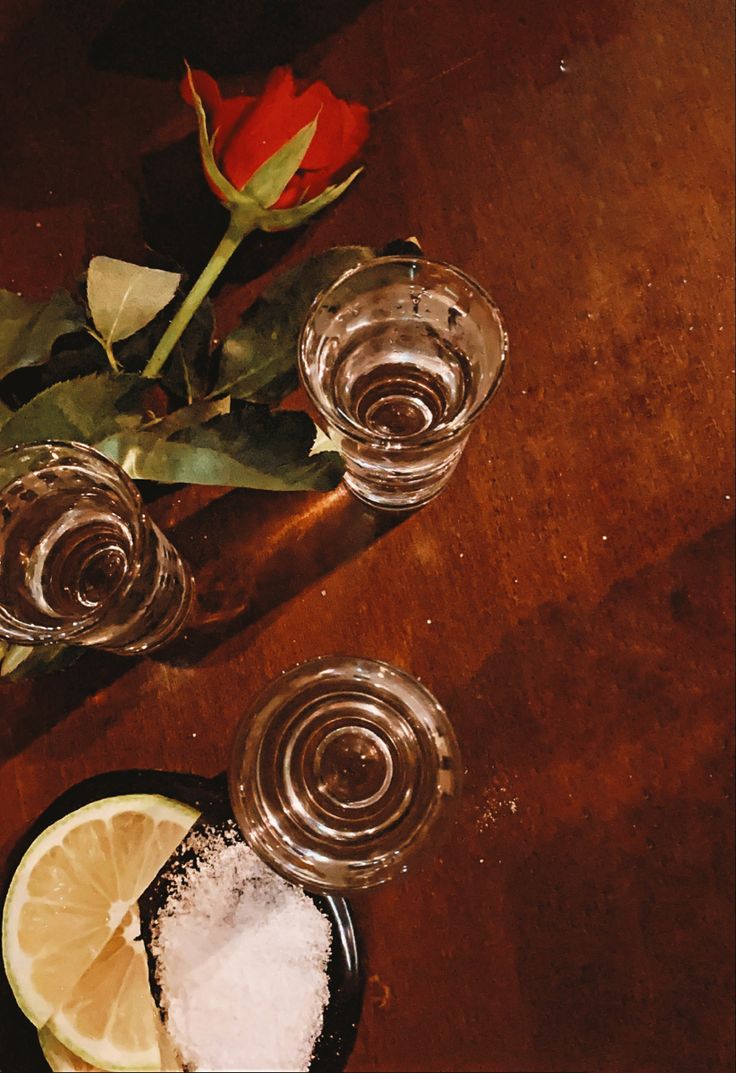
{"points": [[569, 598]]}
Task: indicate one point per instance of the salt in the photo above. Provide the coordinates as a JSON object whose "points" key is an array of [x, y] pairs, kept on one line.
{"points": [[241, 960]]}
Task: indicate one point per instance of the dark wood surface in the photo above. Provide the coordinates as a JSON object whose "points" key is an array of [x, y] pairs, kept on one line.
{"points": [[569, 598]]}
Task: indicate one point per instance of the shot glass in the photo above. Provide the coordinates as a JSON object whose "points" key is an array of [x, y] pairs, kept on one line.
{"points": [[80, 561], [399, 357], [342, 771]]}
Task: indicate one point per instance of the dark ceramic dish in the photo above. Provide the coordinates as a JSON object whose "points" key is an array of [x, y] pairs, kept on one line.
{"points": [[20, 1048]]}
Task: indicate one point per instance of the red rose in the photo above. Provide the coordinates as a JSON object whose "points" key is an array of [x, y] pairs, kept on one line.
{"points": [[251, 129]]}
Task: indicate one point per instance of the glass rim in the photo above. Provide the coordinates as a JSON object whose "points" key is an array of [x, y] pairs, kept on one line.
{"points": [[355, 432], [339, 662], [245, 756], [83, 448]]}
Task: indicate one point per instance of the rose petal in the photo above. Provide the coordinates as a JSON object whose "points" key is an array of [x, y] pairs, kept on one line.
{"points": [[296, 192], [276, 116], [225, 120], [251, 129], [352, 120], [223, 113], [326, 143], [205, 87]]}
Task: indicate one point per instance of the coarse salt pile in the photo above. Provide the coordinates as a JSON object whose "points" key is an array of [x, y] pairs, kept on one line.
{"points": [[241, 960]]}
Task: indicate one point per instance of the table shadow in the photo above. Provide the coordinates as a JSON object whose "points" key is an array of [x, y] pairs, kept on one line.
{"points": [[152, 40], [250, 552]]}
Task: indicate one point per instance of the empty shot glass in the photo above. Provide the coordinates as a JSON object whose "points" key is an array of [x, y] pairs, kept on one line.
{"points": [[342, 770], [399, 357], [80, 561]]}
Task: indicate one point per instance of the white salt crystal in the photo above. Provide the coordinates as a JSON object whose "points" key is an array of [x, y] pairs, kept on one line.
{"points": [[242, 963]]}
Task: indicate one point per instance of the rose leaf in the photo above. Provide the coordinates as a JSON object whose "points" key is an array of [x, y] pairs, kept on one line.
{"points": [[124, 297], [249, 447], [28, 330], [188, 371], [85, 410], [259, 358], [23, 661]]}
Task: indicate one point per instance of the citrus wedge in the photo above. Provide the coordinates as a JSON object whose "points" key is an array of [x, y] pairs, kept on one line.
{"points": [[59, 1057], [169, 1059], [110, 1019], [62, 1060], [73, 888]]}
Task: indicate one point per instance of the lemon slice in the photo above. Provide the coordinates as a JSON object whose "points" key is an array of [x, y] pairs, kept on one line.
{"points": [[169, 1058], [59, 1057], [62, 1060], [110, 1019], [73, 888]]}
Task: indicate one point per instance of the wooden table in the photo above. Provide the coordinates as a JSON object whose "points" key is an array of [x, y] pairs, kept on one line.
{"points": [[569, 598]]}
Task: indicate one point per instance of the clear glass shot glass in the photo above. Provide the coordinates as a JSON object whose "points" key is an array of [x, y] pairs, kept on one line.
{"points": [[80, 561], [399, 357], [342, 771]]}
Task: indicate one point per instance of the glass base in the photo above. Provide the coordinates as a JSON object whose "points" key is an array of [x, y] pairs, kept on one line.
{"points": [[167, 629], [395, 503], [387, 491]]}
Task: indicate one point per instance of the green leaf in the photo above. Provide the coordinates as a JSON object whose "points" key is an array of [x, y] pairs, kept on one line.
{"points": [[198, 413], [67, 363], [124, 297], [323, 442], [250, 447], [5, 413], [87, 410], [281, 219], [187, 372], [267, 184], [22, 661], [28, 330], [259, 358]]}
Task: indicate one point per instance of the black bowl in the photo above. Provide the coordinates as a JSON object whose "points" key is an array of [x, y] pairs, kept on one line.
{"points": [[20, 1045]]}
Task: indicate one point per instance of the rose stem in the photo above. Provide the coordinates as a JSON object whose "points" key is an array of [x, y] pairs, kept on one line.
{"points": [[227, 246]]}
